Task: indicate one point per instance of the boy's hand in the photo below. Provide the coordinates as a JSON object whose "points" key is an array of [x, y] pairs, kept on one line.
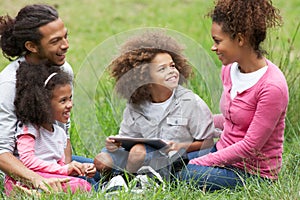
{"points": [[111, 145], [174, 146]]}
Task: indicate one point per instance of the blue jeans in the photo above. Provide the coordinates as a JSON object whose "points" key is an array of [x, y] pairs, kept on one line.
{"points": [[196, 154], [213, 178], [96, 178]]}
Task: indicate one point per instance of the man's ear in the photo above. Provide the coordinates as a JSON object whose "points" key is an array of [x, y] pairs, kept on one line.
{"points": [[31, 46]]}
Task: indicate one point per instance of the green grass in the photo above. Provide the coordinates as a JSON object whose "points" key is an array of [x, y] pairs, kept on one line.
{"points": [[94, 25]]}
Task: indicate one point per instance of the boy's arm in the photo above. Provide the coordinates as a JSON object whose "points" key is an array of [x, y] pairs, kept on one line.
{"points": [[219, 121], [194, 146]]}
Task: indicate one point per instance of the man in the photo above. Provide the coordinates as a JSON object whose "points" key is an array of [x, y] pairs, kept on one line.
{"points": [[37, 34]]}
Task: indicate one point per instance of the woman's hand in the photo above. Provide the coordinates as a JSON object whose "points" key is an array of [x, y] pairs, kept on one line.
{"points": [[111, 145]]}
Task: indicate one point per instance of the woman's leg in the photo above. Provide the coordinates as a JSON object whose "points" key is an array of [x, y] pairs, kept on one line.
{"points": [[212, 178], [196, 154]]}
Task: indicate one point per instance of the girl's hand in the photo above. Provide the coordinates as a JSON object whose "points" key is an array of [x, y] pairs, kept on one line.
{"points": [[111, 145], [75, 169], [90, 170]]}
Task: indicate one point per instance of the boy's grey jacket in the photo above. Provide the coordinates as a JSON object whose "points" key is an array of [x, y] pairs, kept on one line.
{"points": [[186, 119]]}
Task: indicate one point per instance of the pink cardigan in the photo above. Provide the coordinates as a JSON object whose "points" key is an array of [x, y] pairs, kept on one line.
{"points": [[253, 123]]}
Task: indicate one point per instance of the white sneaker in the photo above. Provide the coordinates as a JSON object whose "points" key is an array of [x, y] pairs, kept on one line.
{"points": [[148, 170], [148, 178], [115, 184]]}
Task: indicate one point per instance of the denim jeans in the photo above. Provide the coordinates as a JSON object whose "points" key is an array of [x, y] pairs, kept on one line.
{"points": [[82, 159], [212, 178], [196, 154], [96, 178]]}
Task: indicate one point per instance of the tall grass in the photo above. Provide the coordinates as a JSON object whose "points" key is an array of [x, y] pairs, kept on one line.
{"points": [[91, 22]]}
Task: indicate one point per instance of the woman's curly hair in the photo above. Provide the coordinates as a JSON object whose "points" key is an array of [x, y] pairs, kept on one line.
{"points": [[131, 68], [250, 18], [33, 98]]}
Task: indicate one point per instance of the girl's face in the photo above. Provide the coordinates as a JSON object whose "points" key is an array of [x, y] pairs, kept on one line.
{"points": [[61, 102], [163, 71], [227, 49]]}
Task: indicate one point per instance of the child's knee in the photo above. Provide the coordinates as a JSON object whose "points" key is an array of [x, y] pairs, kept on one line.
{"points": [[137, 153], [103, 161]]}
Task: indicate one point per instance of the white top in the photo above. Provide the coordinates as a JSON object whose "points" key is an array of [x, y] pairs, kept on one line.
{"points": [[243, 81], [155, 111]]}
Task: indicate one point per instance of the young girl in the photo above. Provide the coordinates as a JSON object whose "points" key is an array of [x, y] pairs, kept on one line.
{"points": [[148, 74], [253, 103], [43, 99]]}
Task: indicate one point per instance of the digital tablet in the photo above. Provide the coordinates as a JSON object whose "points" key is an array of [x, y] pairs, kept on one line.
{"points": [[127, 142]]}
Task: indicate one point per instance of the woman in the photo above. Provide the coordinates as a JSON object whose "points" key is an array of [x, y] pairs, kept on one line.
{"points": [[253, 103]]}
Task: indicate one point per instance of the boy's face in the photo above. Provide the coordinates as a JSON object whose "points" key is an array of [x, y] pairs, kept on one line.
{"points": [[61, 102], [163, 71], [54, 43]]}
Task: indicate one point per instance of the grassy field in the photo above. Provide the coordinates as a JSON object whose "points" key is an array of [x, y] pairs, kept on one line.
{"points": [[96, 27]]}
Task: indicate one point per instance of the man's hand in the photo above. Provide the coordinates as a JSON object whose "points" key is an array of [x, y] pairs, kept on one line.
{"points": [[19, 190], [11, 165], [50, 184]]}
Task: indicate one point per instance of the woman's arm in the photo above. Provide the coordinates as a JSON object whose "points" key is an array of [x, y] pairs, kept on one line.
{"points": [[269, 110]]}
